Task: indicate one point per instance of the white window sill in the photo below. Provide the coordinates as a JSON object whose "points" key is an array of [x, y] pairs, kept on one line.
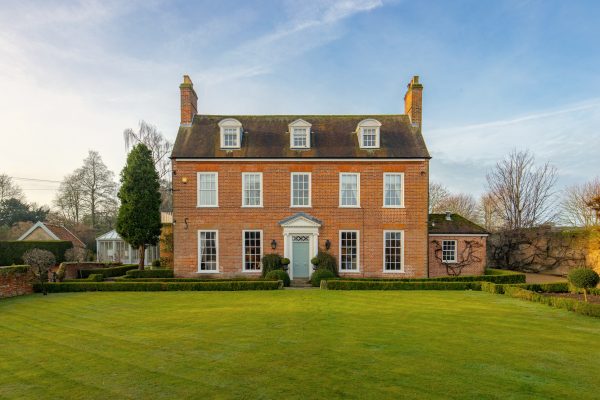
{"points": [[349, 271], [199, 206], [369, 147], [207, 272], [230, 148], [308, 206], [252, 206], [392, 206], [450, 262], [349, 206], [300, 148], [386, 271], [251, 271]]}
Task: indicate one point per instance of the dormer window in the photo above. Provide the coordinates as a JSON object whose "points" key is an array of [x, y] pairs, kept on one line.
{"points": [[231, 133], [299, 134], [368, 133]]}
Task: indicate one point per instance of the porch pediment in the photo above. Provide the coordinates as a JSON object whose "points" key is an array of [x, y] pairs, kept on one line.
{"points": [[300, 220]]}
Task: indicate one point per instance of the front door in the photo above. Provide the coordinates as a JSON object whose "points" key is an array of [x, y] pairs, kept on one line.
{"points": [[300, 256]]}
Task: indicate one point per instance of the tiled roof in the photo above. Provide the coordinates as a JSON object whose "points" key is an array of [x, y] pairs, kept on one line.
{"points": [[439, 224], [332, 136], [63, 233]]}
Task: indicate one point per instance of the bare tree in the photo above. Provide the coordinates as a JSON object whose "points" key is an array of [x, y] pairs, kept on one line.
{"points": [[488, 217], [461, 203], [575, 205], [161, 150], [437, 194], [522, 193], [69, 199], [40, 262], [98, 187], [9, 189]]}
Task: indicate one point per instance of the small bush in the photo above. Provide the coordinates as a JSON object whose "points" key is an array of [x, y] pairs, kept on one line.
{"points": [[270, 262], [398, 285], [583, 278], [132, 286], [280, 275], [150, 273], [156, 264], [325, 260], [285, 261], [95, 277], [319, 275]]}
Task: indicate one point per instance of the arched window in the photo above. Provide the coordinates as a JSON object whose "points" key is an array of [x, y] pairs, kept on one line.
{"points": [[231, 133], [368, 133]]}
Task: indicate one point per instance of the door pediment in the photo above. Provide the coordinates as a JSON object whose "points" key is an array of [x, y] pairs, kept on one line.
{"points": [[300, 220]]}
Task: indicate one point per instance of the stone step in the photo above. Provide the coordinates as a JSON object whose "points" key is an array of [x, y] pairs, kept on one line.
{"points": [[300, 283]]}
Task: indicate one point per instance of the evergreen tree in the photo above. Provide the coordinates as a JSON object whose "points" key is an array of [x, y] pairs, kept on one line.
{"points": [[138, 221]]}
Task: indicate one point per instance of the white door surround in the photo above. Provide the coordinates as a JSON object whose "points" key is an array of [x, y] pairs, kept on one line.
{"points": [[300, 224]]}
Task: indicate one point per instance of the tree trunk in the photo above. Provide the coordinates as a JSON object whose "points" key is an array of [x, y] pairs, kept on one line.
{"points": [[141, 252]]}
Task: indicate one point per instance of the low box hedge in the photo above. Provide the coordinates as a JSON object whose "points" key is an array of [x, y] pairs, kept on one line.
{"points": [[149, 273], [126, 279], [124, 286], [95, 277], [491, 275], [107, 272], [558, 287], [579, 307], [340, 284], [14, 270], [11, 251]]}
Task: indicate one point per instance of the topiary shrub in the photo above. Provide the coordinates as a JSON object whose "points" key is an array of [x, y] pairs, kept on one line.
{"points": [[583, 278], [319, 275], [156, 264], [326, 261], [280, 275], [270, 262]]}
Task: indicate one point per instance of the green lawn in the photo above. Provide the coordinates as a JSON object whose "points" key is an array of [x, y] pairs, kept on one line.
{"points": [[294, 344]]}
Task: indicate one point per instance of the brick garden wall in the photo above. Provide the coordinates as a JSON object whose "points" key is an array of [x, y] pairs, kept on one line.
{"points": [[371, 219], [436, 268], [14, 282]]}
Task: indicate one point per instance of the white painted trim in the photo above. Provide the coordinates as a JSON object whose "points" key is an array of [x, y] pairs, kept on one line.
{"points": [[292, 189], [302, 124], [198, 205], [357, 190], [230, 123], [217, 248], [244, 174], [262, 240], [401, 189], [38, 224], [369, 123], [455, 251], [460, 234], [394, 271], [349, 271], [307, 159]]}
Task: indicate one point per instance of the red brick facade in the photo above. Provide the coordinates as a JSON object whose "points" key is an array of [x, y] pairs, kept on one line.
{"points": [[437, 268], [371, 219]]}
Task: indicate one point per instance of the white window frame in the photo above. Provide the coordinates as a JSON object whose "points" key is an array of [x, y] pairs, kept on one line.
{"points": [[369, 124], [357, 189], [244, 175], [292, 190], [230, 123], [216, 232], [198, 205], [262, 240], [454, 261], [394, 271], [401, 189], [299, 124], [349, 271]]}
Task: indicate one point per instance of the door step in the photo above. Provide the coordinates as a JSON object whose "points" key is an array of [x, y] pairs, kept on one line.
{"points": [[300, 283]]}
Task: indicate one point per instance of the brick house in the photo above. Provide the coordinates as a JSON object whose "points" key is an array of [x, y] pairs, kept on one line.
{"points": [[248, 185]]}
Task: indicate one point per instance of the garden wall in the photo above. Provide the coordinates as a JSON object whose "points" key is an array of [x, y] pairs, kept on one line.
{"points": [[15, 281], [71, 268], [545, 249]]}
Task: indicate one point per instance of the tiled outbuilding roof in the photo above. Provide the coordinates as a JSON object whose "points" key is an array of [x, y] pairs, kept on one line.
{"points": [[453, 224]]}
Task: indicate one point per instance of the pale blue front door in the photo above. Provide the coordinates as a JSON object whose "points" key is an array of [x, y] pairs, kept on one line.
{"points": [[300, 258]]}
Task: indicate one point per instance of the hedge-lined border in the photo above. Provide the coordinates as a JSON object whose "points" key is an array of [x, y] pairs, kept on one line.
{"points": [[243, 279], [491, 275], [558, 287], [11, 251], [121, 286], [339, 284], [579, 307], [107, 272], [163, 273]]}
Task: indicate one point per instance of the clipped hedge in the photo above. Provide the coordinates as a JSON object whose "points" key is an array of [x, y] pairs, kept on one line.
{"points": [[579, 307], [11, 251], [95, 277], [149, 273], [319, 275], [491, 275], [14, 270], [60, 287], [558, 287], [397, 285], [124, 278], [107, 272]]}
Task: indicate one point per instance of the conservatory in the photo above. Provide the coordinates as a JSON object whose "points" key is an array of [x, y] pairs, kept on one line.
{"points": [[110, 247]]}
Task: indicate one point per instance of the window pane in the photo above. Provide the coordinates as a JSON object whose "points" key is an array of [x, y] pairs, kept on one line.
{"points": [[207, 189], [299, 137], [230, 136], [369, 136], [300, 189], [252, 184], [252, 250], [449, 250], [348, 251], [393, 190], [207, 253], [393, 251], [349, 189]]}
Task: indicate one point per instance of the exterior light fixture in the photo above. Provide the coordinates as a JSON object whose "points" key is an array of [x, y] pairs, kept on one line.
{"points": [[327, 244], [273, 244], [184, 179]]}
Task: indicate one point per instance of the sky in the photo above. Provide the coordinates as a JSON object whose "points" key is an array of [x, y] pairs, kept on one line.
{"points": [[497, 76]]}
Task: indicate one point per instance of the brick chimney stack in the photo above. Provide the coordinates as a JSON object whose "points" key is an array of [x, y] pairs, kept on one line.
{"points": [[189, 101], [413, 101]]}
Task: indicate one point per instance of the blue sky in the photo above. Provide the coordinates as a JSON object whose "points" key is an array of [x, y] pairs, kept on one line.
{"points": [[498, 75]]}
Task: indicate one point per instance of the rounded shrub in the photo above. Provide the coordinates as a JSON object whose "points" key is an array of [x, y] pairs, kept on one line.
{"points": [[156, 264], [326, 261], [270, 262], [279, 275], [319, 275], [583, 278]]}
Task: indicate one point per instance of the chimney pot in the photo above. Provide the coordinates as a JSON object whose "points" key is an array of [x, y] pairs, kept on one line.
{"points": [[448, 216], [413, 101], [189, 101]]}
